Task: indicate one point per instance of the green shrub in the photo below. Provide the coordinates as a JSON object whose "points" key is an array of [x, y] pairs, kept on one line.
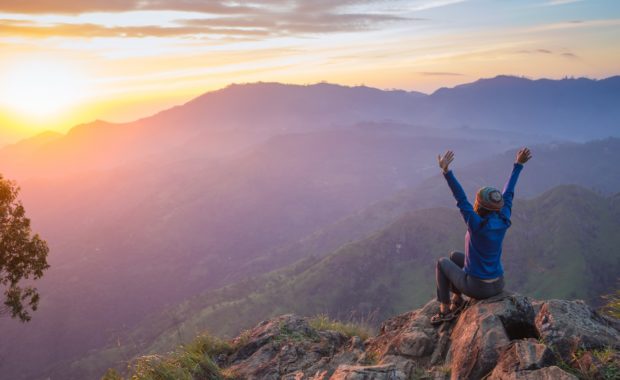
{"points": [[612, 307], [193, 361], [177, 366], [349, 329], [111, 374], [209, 345]]}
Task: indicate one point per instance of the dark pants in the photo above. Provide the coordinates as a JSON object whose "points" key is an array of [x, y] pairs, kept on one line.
{"points": [[451, 277]]}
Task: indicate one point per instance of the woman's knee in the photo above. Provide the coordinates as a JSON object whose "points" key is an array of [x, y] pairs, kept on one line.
{"points": [[442, 261]]}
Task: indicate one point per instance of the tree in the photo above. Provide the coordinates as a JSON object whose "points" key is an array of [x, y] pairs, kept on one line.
{"points": [[23, 256]]}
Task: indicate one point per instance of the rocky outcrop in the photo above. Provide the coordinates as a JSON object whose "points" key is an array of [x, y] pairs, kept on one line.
{"points": [[572, 325], [504, 337], [287, 347]]}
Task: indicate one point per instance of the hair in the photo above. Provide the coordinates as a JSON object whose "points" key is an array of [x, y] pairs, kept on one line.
{"points": [[483, 212]]}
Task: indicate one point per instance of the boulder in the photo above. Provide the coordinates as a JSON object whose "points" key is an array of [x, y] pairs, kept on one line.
{"points": [[568, 326], [484, 330], [288, 348], [523, 355], [547, 373], [377, 372], [413, 344], [411, 336]]}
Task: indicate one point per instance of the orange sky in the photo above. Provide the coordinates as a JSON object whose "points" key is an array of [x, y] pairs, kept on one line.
{"points": [[66, 62]]}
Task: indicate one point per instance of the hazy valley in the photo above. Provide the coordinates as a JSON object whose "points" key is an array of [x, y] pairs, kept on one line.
{"points": [[197, 205]]}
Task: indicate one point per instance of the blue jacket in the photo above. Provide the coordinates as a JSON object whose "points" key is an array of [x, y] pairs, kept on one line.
{"points": [[484, 236]]}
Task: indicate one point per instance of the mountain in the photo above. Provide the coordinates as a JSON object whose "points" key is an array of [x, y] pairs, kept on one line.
{"points": [[562, 244], [507, 336], [231, 119], [591, 165], [580, 108], [215, 124]]}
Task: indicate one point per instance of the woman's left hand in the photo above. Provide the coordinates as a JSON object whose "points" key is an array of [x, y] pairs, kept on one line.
{"points": [[444, 162]]}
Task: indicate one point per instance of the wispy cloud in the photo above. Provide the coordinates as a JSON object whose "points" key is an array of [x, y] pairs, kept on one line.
{"points": [[80, 6], [219, 18], [221, 7], [565, 54], [573, 24], [561, 2], [569, 55], [263, 26]]}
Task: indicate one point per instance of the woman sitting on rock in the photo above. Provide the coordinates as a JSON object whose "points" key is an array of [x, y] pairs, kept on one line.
{"points": [[478, 272]]}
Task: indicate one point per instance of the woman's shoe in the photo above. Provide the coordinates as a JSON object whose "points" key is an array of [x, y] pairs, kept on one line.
{"points": [[457, 305], [441, 317]]}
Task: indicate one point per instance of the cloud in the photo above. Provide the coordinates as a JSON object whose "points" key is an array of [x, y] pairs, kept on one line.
{"points": [[561, 2], [81, 6], [94, 30], [265, 25], [298, 23], [270, 18], [221, 7], [570, 55], [565, 54]]}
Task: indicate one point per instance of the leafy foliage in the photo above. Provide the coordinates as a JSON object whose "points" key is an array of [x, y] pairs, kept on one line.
{"points": [[23, 256]]}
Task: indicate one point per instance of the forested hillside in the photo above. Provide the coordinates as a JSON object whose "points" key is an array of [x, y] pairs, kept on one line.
{"points": [[562, 244]]}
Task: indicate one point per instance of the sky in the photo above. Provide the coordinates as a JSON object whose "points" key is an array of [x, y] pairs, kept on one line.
{"points": [[66, 62]]}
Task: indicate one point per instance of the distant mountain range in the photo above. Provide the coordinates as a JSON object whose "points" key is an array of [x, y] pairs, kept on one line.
{"points": [[225, 121], [252, 178]]}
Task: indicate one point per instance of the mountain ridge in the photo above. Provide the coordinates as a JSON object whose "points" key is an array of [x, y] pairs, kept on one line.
{"points": [[560, 108]]}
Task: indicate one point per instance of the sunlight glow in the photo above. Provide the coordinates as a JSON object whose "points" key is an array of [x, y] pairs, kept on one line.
{"points": [[39, 88]]}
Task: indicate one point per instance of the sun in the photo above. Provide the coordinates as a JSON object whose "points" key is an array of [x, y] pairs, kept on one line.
{"points": [[39, 89]]}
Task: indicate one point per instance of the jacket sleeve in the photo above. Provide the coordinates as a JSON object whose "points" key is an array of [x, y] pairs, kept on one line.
{"points": [[472, 219], [509, 190]]}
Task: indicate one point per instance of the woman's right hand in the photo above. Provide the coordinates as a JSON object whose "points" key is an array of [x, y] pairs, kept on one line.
{"points": [[444, 162]]}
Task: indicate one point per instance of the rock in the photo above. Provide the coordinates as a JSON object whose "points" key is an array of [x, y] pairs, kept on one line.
{"points": [[497, 338], [266, 331], [410, 335], [484, 329], [547, 373], [523, 355], [567, 326], [414, 344], [377, 372], [288, 348], [404, 366]]}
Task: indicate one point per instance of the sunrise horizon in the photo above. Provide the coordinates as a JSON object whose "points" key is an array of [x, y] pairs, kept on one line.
{"points": [[67, 62]]}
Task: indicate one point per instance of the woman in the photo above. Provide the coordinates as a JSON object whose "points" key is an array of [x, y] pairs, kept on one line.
{"points": [[478, 272]]}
